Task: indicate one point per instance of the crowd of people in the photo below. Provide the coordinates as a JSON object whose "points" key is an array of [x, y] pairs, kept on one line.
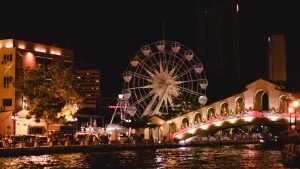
{"points": [[54, 139]]}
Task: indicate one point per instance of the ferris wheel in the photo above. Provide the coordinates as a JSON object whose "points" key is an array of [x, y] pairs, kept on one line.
{"points": [[158, 73]]}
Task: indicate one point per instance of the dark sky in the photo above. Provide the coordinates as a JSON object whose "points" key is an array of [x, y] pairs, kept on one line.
{"points": [[104, 35]]}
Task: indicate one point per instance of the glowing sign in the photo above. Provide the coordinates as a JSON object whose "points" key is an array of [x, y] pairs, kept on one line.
{"points": [[115, 107]]}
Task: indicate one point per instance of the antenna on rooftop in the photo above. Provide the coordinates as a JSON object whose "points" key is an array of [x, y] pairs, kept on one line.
{"points": [[163, 29]]}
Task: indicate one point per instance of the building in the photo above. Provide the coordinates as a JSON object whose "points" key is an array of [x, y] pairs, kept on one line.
{"points": [[217, 38], [88, 86], [277, 58], [15, 55], [88, 82]]}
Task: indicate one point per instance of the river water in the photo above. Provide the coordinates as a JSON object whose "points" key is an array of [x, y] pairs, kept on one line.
{"points": [[231, 157]]}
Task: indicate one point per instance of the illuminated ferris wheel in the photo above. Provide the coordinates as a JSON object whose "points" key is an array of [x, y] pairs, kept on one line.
{"points": [[158, 73]]}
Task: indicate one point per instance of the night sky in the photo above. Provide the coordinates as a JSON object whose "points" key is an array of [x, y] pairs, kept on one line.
{"points": [[104, 35]]}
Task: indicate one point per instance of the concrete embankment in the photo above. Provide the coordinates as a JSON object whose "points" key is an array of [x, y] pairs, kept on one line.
{"points": [[12, 152]]}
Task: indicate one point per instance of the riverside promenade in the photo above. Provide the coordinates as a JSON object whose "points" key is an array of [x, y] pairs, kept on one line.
{"points": [[13, 152]]}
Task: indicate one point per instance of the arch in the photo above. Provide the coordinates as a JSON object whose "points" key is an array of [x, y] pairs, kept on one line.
{"points": [[211, 113], [261, 100], [173, 127], [185, 123], [224, 109], [197, 118], [239, 104], [283, 103]]}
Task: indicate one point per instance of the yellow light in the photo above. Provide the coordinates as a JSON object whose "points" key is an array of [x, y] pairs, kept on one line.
{"points": [[273, 118], [55, 52], [180, 136], [192, 131], [248, 119], [218, 123], [291, 109], [21, 46], [295, 103], [40, 49], [204, 127], [232, 121], [8, 44]]}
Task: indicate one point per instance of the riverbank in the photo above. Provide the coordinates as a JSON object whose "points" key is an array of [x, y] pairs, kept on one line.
{"points": [[13, 152]]}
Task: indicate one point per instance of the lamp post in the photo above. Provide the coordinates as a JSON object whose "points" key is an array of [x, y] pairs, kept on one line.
{"points": [[129, 128], [295, 105], [74, 119], [169, 122], [14, 117]]}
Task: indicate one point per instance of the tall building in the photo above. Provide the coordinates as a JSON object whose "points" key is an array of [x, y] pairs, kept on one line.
{"points": [[217, 38], [15, 55], [277, 58], [88, 82]]}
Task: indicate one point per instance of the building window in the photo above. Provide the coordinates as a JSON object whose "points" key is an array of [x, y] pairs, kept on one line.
{"points": [[6, 81], [42, 61], [7, 102], [67, 64], [7, 57], [36, 130]]}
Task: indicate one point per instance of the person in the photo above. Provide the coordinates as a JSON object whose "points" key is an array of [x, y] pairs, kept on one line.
{"points": [[94, 140], [67, 140]]}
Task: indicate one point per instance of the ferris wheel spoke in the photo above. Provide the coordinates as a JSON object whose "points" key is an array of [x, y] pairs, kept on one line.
{"points": [[166, 103], [172, 71], [144, 65], [170, 100], [140, 76], [183, 73], [165, 60], [180, 66], [150, 105], [143, 98], [142, 87], [189, 81], [161, 69], [190, 91], [160, 101]]}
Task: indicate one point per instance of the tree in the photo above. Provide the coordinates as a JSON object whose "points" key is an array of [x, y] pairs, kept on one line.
{"points": [[48, 91], [181, 105]]}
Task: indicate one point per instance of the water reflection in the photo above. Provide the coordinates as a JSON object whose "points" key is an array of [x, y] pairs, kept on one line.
{"points": [[190, 157]]}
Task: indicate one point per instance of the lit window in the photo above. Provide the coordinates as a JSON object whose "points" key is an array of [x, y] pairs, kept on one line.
{"points": [[78, 77], [97, 81]]}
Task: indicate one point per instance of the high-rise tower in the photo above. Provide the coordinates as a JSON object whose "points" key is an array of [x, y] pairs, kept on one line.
{"points": [[217, 38]]}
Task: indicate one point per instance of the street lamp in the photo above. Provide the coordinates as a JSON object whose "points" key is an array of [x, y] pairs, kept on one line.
{"points": [[74, 119], [14, 117], [295, 105], [169, 122]]}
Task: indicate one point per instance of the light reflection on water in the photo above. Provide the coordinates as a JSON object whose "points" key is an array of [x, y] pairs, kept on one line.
{"points": [[189, 157]]}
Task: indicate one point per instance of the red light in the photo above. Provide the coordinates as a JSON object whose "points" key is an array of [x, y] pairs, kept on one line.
{"points": [[114, 107], [28, 60]]}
